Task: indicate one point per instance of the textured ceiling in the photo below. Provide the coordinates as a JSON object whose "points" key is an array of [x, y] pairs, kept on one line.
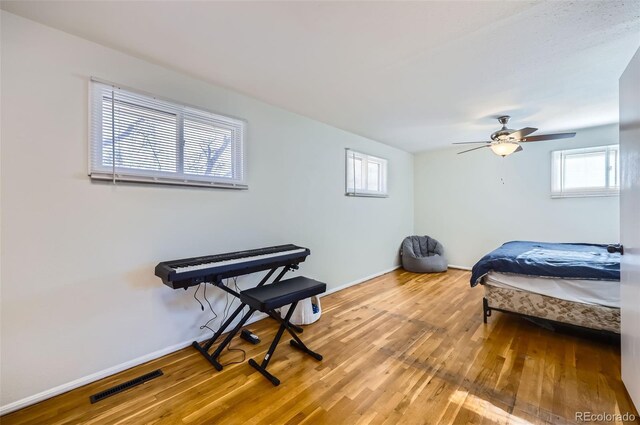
{"points": [[416, 75]]}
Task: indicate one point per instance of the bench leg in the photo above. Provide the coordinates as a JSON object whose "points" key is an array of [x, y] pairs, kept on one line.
{"points": [[296, 342], [275, 381], [278, 319], [262, 368]]}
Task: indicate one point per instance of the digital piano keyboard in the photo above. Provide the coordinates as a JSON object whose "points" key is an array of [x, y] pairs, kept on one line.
{"points": [[213, 268]]}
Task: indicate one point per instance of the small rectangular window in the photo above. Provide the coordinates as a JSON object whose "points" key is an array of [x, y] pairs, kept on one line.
{"points": [[140, 138], [585, 172], [366, 175]]}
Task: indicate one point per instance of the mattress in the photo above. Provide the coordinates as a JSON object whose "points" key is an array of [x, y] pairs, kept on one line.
{"points": [[604, 293]]}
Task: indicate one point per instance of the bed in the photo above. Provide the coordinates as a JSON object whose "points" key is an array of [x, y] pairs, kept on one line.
{"points": [[553, 283]]}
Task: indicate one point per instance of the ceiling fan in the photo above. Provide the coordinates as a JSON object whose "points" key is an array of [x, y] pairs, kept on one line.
{"points": [[507, 141]]}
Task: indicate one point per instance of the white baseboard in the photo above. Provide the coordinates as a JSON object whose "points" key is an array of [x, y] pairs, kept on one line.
{"points": [[36, 398], [452, 266], [355, 282]]}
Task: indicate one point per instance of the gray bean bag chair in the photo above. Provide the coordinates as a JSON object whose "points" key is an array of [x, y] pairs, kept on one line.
{"points": [[422, 254]]}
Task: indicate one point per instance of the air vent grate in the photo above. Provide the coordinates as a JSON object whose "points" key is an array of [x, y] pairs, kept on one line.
{"points": [[125, 386]]}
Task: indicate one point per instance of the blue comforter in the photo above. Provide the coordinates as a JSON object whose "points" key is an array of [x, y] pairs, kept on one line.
{"points": [[561, 260]]}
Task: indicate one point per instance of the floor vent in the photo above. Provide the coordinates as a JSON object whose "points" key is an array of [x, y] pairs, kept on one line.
{"points": [[125, 386]]}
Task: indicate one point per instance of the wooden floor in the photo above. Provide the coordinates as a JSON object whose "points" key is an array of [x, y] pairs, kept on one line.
{"points": [[401, 348]]}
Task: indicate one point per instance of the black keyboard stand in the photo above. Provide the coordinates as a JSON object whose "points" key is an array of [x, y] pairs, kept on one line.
{"points": [[205, 347]]}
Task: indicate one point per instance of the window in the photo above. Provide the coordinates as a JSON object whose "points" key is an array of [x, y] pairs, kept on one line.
{"points": [[366, 175], [585, 172], [140, 138]]}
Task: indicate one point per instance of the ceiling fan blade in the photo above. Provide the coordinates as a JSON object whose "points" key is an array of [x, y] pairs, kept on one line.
{"points": [[469, 150], [465, 143], [519, 134], [548, 137], [518, 150]]}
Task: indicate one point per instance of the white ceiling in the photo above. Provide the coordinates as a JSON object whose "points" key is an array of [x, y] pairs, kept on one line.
{"points": [[416, 75]]}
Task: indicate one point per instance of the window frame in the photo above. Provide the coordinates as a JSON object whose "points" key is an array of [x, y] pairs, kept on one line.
{"points": [[366, 160], [558, 158], [183, 113]]}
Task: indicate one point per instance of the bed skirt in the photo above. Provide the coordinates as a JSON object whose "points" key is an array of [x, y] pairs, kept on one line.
{"points": [[555, 309]]}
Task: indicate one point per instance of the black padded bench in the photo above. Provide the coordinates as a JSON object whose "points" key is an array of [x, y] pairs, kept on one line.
{"points": [[269, 297]]}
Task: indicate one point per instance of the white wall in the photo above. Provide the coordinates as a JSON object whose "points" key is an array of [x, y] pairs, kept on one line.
{"points": [[474, 202], [78, 290]]}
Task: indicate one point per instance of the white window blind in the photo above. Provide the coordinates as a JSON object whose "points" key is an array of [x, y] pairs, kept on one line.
{"points": [[585, 172], [366, 175], [141, 138]]}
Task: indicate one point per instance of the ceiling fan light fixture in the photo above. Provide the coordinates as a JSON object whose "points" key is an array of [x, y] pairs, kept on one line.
{"points": [[504, 148], [506, 141]]}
